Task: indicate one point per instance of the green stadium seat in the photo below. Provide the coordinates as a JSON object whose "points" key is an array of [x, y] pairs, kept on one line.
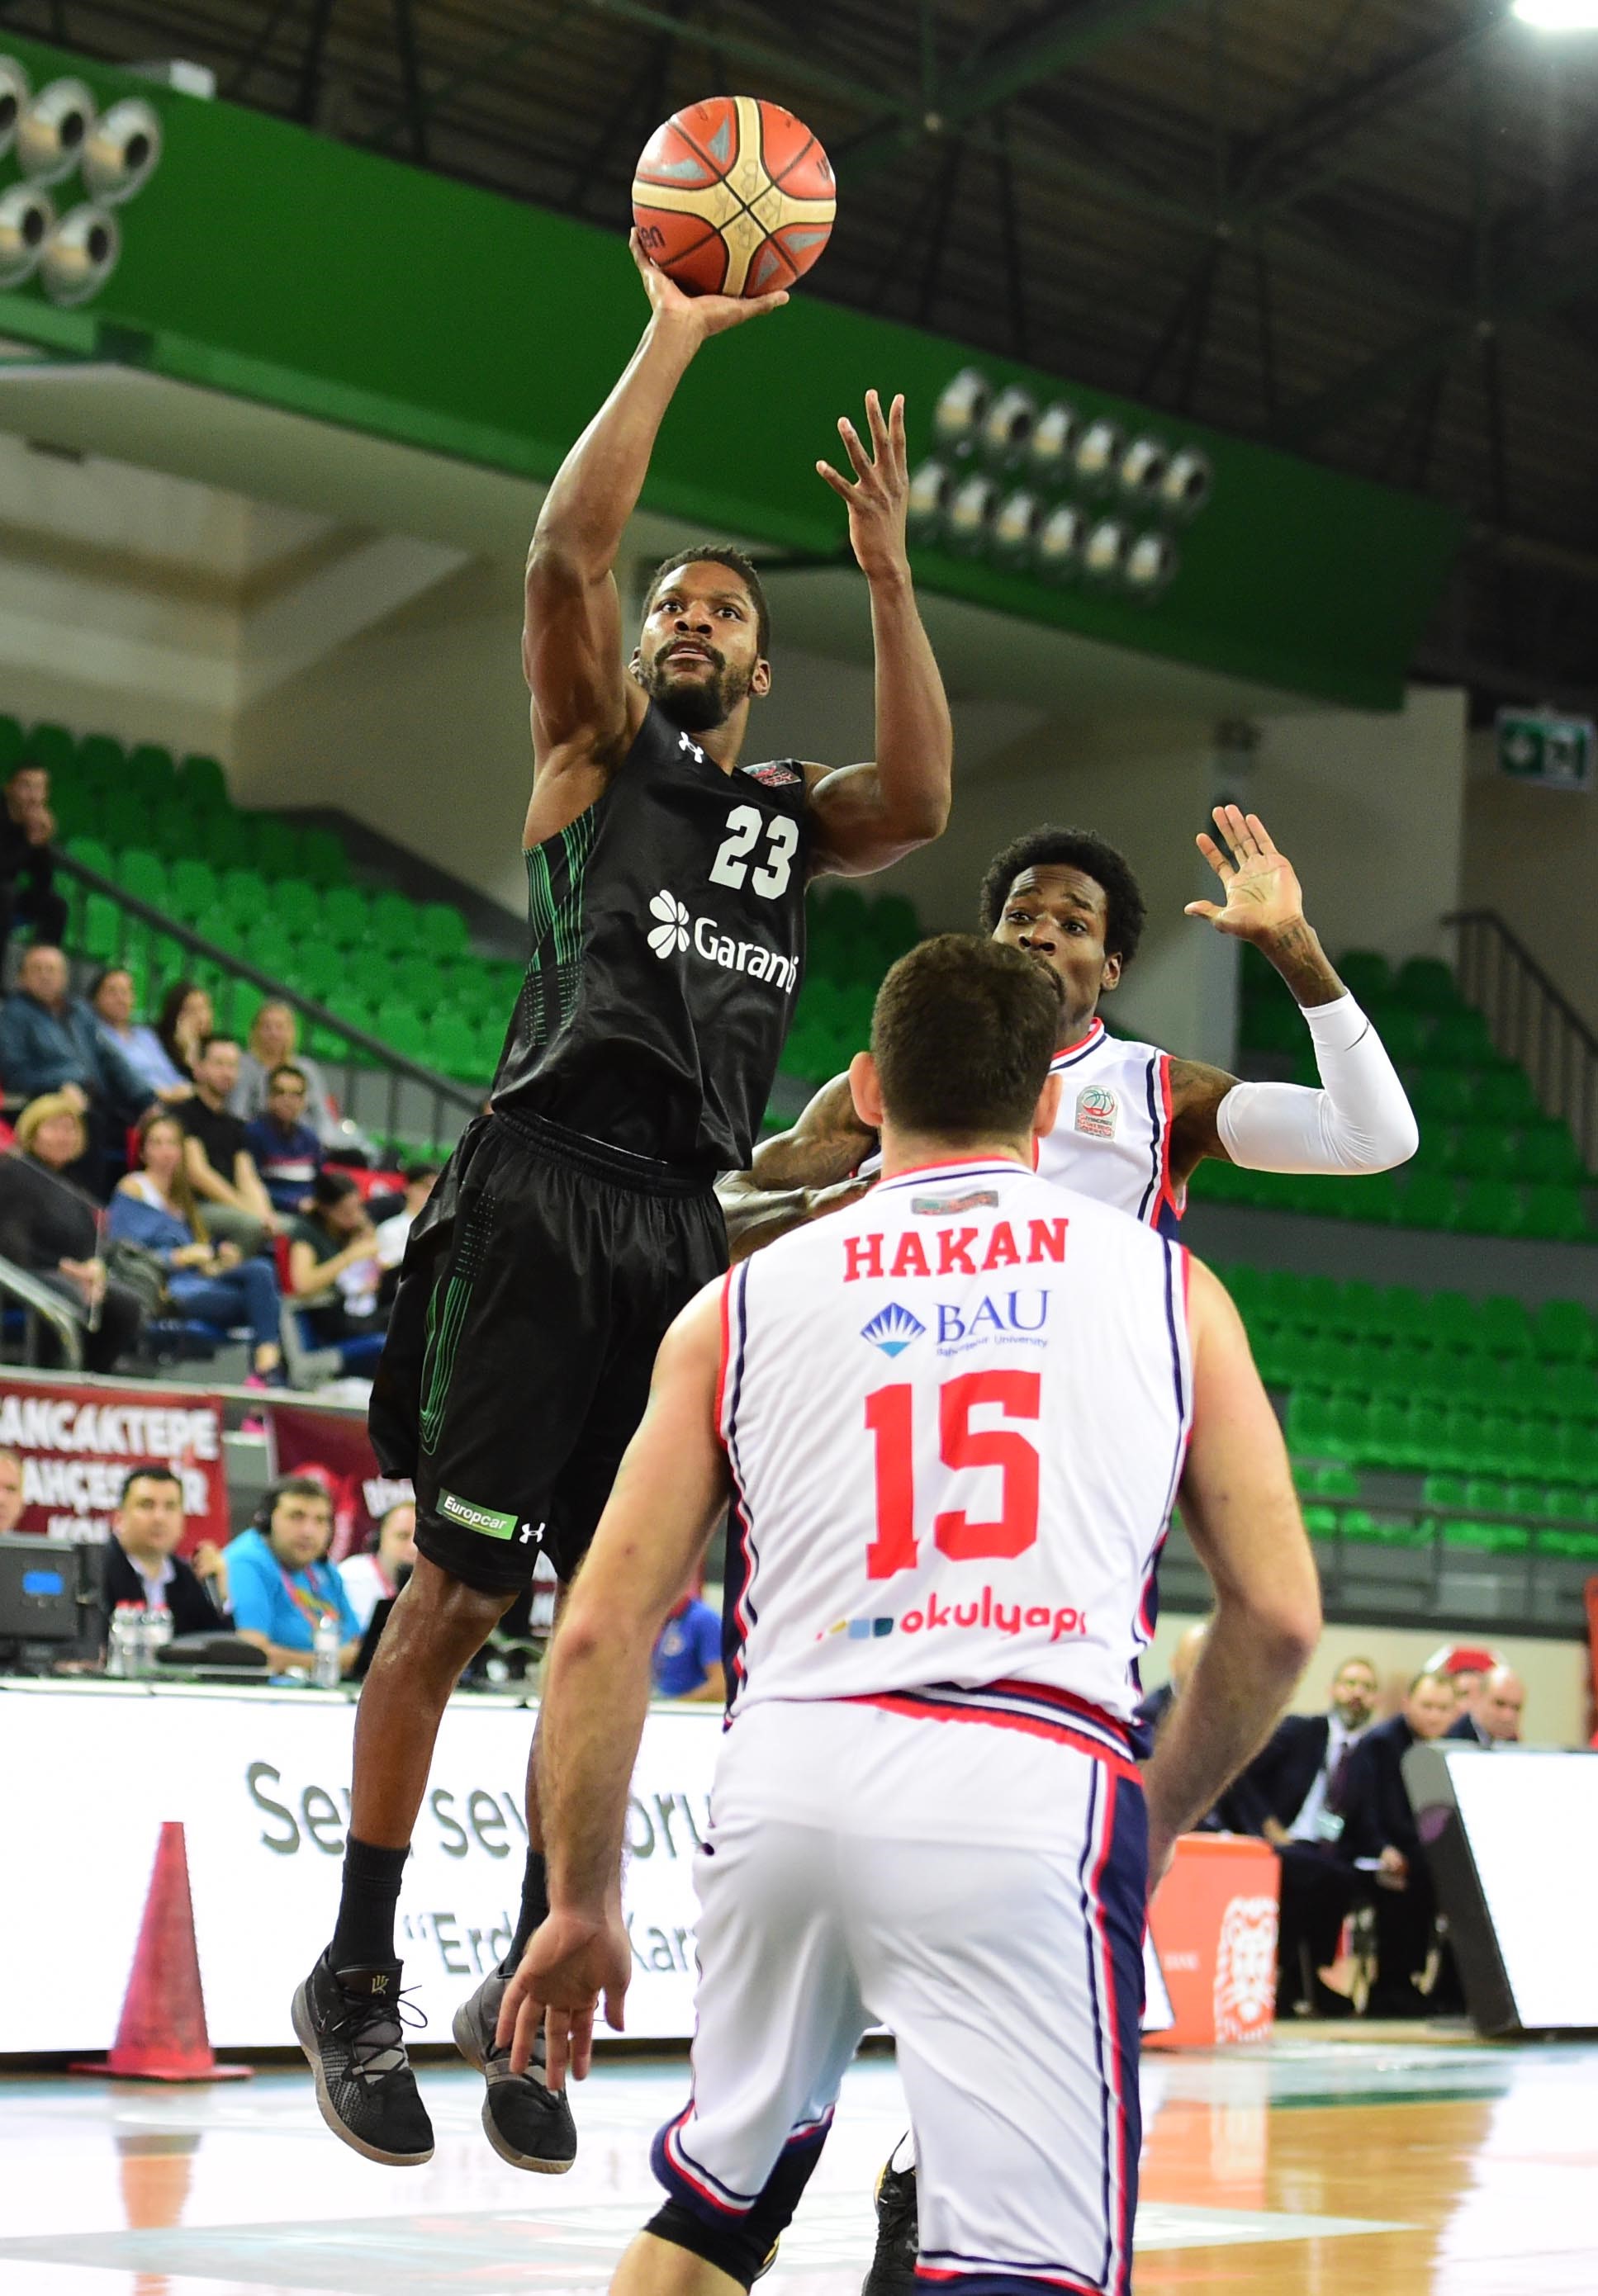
{"points": [[274, 844], [90, 853], [1366, 975], [1359, 1523], [1406, 1033], [1426, 981], [1523, 1497], [193, 889], [394, 927], [896, 925], [204, 784], [451, 1046], [1425, 1199], [125, 819], [1570, 1546], [227, 844], [1484, 1495], [144, 877], [1505, 1095], [1271, 1024], [1549, 1157], [1388, 1437], [11, 743], [323, 858], [52, 747], [176, 831], [314, 968], [153, 770], [1438, 1490], [1504, 1326], [102, 932], [1487, 1537], [1482, 1151], [1486, 1208], [296, 906], [1562, 1332], [1433, 1439], [243, 896], [1353, 1309], [1460, 1040], [370, 972], [101, 760], [1321, 1521], [1553, 1215], [440, 929], [76, 805], [1338, 1481], [346, 916], [1442, 1096]]}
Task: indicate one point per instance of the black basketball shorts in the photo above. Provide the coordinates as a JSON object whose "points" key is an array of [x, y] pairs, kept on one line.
{"points": [[538, 1283]]}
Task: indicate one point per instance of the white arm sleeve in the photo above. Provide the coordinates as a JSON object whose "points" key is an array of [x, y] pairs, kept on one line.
{"points": [[1360, 1120]]}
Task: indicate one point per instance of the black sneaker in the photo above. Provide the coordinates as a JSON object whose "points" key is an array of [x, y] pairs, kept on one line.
{"points": [[527, 2124], [348, 2022], [893, 2271]]}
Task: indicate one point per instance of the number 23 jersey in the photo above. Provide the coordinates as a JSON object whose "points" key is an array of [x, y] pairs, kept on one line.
{"points": [[667, 926], [955, 1415]]}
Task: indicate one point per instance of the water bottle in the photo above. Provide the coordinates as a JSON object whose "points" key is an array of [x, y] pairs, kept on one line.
{"points": [[123, 1650], [326, 1668], [157, 1634]]}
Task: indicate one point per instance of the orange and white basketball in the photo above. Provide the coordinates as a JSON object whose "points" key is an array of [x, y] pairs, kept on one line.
{"points": [[733, 196]]}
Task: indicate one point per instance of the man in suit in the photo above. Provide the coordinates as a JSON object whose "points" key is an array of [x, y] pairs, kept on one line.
{"points": [[1493, 1718], [1239, 1809], [1379, 1825], [142, 1567], [1298, 1784]]}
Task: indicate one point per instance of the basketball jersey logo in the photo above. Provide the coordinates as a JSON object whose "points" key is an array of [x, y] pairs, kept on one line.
{"points": [[1097, 1109]]}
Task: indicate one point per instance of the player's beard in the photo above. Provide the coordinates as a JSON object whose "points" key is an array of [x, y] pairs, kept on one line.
{"points": [[695, 705]]}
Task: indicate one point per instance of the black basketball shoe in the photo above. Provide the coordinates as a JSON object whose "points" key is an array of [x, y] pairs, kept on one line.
{"points": [[893, 2271], [348, 2022], [527, 2124]]}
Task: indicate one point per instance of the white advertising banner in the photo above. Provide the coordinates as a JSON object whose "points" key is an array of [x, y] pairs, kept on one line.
{"points": [[260, 1780]]}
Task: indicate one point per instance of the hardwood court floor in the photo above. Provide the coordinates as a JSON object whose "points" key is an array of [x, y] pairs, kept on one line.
{"points": [[1313, 2166]]}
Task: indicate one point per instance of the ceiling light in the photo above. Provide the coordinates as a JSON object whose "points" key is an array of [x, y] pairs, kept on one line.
{"points": [[15, 88], [1558, 15], [53, 129], [1098, 454], [1007, 426], [970, 508], [1015, 523], [26, 215], [122, 152], [79, 254], [1150, 564], [1104, 553], [1056, 553], [1142, 466], [961, 407], [928, 501], [1185, 486], [1053, 436]]}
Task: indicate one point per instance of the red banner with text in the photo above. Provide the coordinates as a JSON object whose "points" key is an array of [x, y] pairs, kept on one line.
{"points": [[78, 1445], [335, 1449]]}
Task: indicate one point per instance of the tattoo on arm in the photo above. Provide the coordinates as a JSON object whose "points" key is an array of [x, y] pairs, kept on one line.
{"points": [[1197, 1092]]}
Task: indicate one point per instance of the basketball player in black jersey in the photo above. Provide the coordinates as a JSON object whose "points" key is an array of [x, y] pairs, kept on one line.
{"points": [[666, 899]]}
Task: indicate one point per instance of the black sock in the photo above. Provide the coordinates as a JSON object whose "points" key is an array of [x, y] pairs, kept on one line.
{"points": [[535, 1906], [362, 1936]]}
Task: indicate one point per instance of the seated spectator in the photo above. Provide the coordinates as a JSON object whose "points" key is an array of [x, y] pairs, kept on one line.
{"points": [[221, 1169], [1493, 1718], [11, 1501], [154, 1210], [281, 1586], [141, 1564], [50, 1227], [686, 1663], [185, 1019], [111, 1000], [1299, 1777], [334, 1274], [1379, 1831], [27, 826], [273, 1043], [393, 1233], [284, 1148], [50, 1042], [1155, 1704], [378, 1575]]}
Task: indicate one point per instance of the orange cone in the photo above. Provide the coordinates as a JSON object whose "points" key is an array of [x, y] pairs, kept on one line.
{"points": [[163, 2035]]}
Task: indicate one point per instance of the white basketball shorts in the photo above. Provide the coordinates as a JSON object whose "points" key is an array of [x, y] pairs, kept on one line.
{"points": [[1011, 1976]]}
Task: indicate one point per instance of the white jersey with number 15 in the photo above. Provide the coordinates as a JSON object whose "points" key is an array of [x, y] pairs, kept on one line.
{"points": [[955, 1415]]}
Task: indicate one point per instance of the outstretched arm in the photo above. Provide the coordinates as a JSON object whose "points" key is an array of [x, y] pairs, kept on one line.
{"points": [[1360, 1120], [668, 1496], [866, 816], [798, 1175], [584, 705]]}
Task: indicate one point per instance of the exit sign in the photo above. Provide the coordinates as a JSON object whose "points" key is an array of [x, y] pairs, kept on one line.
{"points": [[1534, 746]]}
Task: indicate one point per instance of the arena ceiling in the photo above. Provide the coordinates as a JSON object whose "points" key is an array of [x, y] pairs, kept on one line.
{"points": [[1365, 229]]}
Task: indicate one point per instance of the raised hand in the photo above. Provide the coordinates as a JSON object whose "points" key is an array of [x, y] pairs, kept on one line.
{"points": [[709, 315], [1263, 895], [879, 494]]}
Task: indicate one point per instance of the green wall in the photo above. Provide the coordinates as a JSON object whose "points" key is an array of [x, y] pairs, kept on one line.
{"points": [[279, 266]]}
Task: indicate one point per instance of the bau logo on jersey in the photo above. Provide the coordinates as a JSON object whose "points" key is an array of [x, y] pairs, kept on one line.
{"points": [[675, 931], [998, 1315], [892, 1330]]}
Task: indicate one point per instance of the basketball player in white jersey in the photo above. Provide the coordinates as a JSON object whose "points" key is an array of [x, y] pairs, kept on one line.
{"points": [[1134, 1121], [950, 1423]]}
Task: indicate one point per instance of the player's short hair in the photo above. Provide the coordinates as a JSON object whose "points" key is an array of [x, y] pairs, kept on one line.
{"points": [[717, 554], [962, 1033], [1050, 848], [1434, 1674], [287, 1068]]}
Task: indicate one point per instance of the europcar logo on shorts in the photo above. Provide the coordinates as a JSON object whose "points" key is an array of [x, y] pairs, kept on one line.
{"points": [[892, 1330], [672, 933]]}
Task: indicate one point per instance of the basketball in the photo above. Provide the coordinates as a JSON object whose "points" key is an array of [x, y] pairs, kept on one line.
{"points": [[733, 196]]}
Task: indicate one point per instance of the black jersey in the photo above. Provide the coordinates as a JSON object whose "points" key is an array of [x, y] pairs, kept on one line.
{"points": [[668, 941]]}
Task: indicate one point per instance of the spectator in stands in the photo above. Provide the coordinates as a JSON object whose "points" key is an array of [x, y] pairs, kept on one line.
{"points": [[1300, 1778], [154, 1210], [1153, 1708], [1493, 1717], [284, 1149], [11, 1491], [393, 1233], [27, 826], [50, 1226], [1379, 1825], [50, 1042], [141, 1564], [281, 1584], [220, 1168], [273, 1043], [686, 1663], [111, 1000], [378, 1575], [334, 1273], [185, 1019]]}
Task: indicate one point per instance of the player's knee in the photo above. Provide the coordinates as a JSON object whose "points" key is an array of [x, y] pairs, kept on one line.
{"points": [[731, 2244], [442, 1613]]}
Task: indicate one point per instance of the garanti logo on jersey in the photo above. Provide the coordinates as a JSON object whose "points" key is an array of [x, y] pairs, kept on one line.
{"points": [[674, 931]]}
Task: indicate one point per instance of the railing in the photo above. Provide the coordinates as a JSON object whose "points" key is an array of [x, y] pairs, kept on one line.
{"points": [[403, 1087], [39, 1304], [1531, 1020]]}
